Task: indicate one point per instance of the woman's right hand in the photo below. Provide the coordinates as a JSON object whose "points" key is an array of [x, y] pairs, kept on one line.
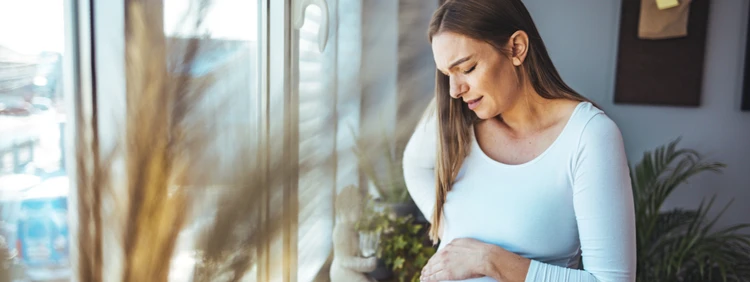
{"points": [[459, 260]]}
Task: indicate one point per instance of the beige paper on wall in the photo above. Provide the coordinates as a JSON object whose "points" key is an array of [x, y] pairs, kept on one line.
{"points": [[666, 4], [656, 23]]}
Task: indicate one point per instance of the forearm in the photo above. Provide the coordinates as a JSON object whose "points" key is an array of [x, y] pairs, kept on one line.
{"points": [[506, 266]]}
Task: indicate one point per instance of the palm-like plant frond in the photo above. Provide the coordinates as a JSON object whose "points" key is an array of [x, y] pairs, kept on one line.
{"points": [[683, 245], [380, 161]]}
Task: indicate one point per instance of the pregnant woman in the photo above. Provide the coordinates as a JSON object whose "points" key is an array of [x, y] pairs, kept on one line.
{"points": [[521, 176]]}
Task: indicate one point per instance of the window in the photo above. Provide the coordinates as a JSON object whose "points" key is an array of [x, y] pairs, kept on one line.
{"points": [[316, 95], [273, 76], [33, 120], [229, 51]]}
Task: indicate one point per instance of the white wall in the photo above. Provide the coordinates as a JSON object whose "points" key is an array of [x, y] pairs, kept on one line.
{"points": [[581, 36]]}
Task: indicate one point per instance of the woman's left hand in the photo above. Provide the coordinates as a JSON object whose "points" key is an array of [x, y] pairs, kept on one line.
{"points": [[460, 259]]}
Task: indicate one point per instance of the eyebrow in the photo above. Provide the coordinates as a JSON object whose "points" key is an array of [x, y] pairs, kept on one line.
{"points": [[459, 61]]}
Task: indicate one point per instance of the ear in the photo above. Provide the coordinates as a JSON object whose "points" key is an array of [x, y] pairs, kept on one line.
{"points": [[519, 46]]}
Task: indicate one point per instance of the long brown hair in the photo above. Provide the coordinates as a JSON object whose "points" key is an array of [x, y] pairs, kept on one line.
{"points": [[491, 21]]}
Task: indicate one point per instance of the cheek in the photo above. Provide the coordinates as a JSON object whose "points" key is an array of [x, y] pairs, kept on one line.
{"points": [[506, 82], [501, 87], [492, 83], [484, 83]]}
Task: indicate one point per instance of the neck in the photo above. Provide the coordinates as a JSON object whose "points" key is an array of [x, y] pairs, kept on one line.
{"points": [[529, 113]]}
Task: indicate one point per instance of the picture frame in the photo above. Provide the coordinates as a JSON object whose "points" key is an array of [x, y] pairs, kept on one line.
{"points": [[665, 72], [745, 106]]}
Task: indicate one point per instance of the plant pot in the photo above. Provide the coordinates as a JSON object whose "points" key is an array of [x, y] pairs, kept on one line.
{"points": [[401, 209], [381, 272]]}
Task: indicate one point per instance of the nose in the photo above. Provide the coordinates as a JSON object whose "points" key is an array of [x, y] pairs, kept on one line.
{"points": [[457, 87]]}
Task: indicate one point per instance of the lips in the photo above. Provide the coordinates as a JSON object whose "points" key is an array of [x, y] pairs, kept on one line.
{"points": [[474, 103]]}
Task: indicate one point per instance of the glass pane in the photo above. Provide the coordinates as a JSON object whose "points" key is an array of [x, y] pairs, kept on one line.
{"points": [[226, 19], [228, 49], [33, 178], [317, 134]]}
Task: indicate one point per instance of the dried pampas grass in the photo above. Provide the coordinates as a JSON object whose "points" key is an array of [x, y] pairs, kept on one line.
{"points": [[169, 169], [172, 181]]}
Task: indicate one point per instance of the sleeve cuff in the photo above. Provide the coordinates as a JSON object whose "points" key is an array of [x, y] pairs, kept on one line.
{"points": [[534, 267]]}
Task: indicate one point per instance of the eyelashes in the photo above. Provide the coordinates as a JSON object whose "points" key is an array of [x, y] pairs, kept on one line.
{"points": [[470, 69]]}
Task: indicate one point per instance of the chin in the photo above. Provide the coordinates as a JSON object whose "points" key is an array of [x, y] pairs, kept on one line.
{"points": [[485, 112]]}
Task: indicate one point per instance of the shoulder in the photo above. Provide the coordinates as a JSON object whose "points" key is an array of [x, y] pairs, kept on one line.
{"points": [[595, 127], [599, 144]]}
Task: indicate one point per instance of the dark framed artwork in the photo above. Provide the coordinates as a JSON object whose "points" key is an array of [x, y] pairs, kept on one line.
{"points": [[667, 72], [746, 80]]}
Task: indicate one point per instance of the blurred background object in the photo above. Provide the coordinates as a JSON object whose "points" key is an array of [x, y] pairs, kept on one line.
{"points": [[33, 176]]}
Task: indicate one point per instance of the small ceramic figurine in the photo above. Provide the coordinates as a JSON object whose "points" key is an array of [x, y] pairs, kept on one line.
{"points": [[347, 265]]}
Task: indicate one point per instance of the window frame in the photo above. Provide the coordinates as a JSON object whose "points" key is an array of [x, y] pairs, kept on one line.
{"points": [[94, 62], [78, 93]]}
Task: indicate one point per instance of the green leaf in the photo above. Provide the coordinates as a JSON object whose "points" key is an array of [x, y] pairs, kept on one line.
{"points": [[420, 261], [398, 263], [415, 229], [400, 243], [416, 247]]}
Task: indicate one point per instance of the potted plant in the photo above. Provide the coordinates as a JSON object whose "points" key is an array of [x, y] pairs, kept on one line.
{"points": [[404, 247], [371, 225], [683, 244]]}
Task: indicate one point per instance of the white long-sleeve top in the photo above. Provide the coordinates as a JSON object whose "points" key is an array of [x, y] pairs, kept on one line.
{"points": [[573, 200]]}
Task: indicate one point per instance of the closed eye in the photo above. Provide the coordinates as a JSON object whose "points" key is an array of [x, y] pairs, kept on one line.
{"points": [[470, 69]]}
